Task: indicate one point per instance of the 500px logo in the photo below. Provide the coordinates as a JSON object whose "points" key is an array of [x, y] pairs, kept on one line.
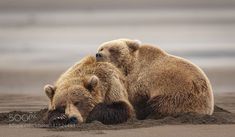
{"points": [[21, 117]]}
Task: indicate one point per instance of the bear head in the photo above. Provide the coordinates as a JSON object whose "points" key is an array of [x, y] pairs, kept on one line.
{"points": [[120, 52], [71, 104]]}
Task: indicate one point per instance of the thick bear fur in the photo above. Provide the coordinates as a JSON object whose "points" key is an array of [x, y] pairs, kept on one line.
{"points": [[158, 84], [89, 91]]}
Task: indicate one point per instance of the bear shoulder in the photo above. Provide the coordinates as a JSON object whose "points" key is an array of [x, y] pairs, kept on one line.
{"points": [[149, 52]]}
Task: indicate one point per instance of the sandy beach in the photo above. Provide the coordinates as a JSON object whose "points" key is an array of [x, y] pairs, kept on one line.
{"points": [[161, 131]]}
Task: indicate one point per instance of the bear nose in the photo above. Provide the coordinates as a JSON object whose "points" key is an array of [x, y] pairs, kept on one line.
{"points": [[73, 120], [98, 55]]}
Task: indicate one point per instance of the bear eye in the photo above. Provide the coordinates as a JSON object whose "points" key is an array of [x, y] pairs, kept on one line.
{"points": [[101, 49]]}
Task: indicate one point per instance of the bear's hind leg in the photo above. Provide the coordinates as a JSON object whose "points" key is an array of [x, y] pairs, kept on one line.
{"points": [[174, 104], [155, 107], [165, 105]]}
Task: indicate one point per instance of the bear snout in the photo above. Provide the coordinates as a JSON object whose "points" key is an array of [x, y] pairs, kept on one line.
{"points": [[98, 55]]}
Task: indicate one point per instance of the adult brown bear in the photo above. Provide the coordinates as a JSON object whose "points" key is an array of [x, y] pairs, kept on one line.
{"points": [[159, 84], [89, 91]]}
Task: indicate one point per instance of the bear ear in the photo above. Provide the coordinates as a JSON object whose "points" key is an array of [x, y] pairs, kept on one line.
{"points": [[133, 45], [92, 82], [49, 90]]}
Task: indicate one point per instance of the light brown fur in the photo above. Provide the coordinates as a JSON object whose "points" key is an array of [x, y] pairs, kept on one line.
{"points": [[85, 85], [167, 84]]}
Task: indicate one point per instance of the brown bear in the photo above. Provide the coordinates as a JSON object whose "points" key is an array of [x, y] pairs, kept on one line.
{"points": [[89, 91], [158, 84]]}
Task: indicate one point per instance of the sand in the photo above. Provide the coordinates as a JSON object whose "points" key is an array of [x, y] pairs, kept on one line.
{"points": [[221, 123], [37, 118], [157, 131]]}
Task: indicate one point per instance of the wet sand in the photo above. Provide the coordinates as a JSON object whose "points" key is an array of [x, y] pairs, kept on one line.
{"points": [[221, 123], [35, 123], [162, 131]]}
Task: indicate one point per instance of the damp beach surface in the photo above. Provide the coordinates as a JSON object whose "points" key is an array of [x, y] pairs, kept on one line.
{"points": [[31, 123], [37, 119], [221, 123]]}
